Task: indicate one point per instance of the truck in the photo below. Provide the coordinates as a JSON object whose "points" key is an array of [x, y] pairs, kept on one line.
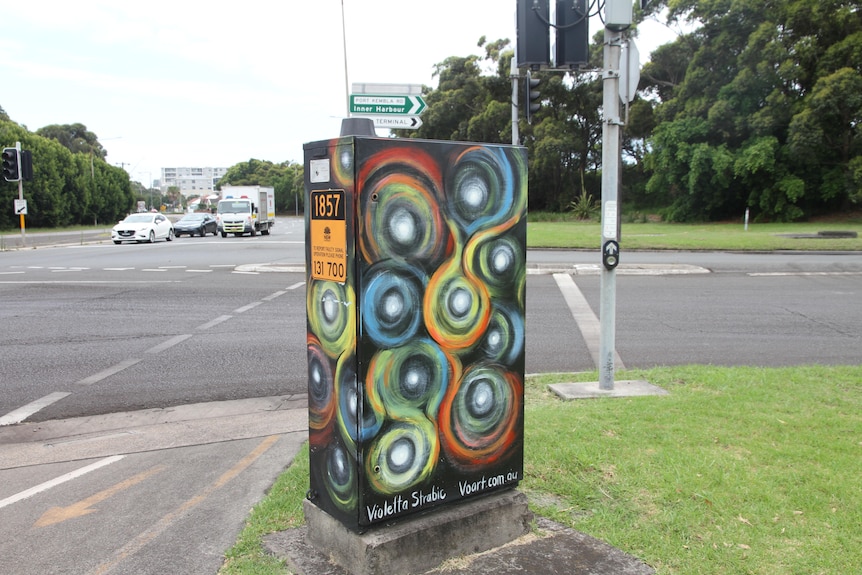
{"points": [[245, 210]]}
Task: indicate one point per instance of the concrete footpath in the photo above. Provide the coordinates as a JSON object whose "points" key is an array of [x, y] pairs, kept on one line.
{"points": [[549, 548]]}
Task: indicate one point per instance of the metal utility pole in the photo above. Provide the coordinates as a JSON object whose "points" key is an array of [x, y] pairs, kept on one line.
{"points": [[344, 44], [514, 75], [21, 198], [611, 128]]}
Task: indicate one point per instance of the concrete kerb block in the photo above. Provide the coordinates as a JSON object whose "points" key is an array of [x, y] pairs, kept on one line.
{"points": [[416, 544], [590, 389]]}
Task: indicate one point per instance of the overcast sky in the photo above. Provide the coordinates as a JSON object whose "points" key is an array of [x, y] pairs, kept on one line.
{"points": [[181, 83]]}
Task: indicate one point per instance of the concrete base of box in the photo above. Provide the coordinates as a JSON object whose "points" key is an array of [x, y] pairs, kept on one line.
{"points": [[416, 544]]}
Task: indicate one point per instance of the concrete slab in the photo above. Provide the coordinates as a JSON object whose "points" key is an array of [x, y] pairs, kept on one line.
{"points": [[591, 389], [549, 549], [413, 545]]}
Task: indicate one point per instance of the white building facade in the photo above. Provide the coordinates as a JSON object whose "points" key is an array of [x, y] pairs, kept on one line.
{"points": [[191, 181]]}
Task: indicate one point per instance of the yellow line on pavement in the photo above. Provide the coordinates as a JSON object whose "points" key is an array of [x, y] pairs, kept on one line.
{"points": [[85, 506], [165, 522]]}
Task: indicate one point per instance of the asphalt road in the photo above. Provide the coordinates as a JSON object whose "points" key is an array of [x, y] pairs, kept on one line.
{"points": [[152, 393]]}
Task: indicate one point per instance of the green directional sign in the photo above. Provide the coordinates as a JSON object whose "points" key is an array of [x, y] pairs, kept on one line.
{"points": [[386, 104]]}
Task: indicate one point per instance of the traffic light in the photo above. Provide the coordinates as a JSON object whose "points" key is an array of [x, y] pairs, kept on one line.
{"points": [[27, 165], [11, 165], [534, 41], [531, 95], [573, 35]]}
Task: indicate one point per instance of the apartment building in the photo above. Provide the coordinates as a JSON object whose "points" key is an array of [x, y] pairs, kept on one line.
{"points": [[191, 181]]}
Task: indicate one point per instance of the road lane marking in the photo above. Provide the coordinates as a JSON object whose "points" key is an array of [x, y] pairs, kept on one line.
{"points": [[23, 412], [108, 372], [168, 344], [59, 480], [274, 295], [168, 520], [585, 319], [85, 506], [88, 282], [216, 321], [245, 308], [296, 285], [782, 274]]}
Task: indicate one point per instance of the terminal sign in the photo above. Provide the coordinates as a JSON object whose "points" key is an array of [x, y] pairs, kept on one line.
{"points": [[328, 236]]}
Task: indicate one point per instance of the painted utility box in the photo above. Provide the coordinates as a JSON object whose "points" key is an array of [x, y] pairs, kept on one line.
{"points": [[416, 269]]}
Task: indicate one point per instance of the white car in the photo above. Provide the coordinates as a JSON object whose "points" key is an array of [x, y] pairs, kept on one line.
{"points": [[143, 227]]}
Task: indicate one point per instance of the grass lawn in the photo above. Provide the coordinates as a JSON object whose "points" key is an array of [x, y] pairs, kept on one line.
{"points": [[736, 471], [561, 231], [718, 237]]}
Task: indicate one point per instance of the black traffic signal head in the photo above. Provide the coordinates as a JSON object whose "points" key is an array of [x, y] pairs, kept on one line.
{"points": [[531, 96], [573, 34], [532, 27], [11, 165]]}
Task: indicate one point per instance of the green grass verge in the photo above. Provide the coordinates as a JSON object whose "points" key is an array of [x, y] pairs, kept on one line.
{"points": [[718, 237], [560, 231], [736, 471]]}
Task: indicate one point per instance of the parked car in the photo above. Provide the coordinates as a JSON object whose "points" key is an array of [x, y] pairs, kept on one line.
{"points": [[197, 223], [143, 227]]}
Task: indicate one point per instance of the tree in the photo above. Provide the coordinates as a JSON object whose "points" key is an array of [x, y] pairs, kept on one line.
{"points": [[67, 188], [766, 114], [285, 178], [824, 137], [74, 137]]}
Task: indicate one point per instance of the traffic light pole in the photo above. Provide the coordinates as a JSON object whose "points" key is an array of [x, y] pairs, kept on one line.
{"points": [[611, 129], [21, 197], [515, 76], [21, 215]]}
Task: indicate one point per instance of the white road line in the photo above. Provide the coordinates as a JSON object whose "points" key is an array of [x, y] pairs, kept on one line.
{"points": [[59, 480], [168, 344], [216, 321], [200, 271], [782, 274], [22, 413], [275, 295], [88, 282], [108, 372], [586, 320], [296, 285], [245, 308]]}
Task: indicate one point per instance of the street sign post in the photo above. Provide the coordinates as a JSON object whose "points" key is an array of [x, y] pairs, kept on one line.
{"points": [[386, 104], [397, 122]]}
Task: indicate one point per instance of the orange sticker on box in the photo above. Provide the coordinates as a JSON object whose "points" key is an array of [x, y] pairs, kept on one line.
{"points": [[328, 236]]}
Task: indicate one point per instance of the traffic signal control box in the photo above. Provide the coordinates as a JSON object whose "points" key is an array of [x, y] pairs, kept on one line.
{"points": [[416, 274]]}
